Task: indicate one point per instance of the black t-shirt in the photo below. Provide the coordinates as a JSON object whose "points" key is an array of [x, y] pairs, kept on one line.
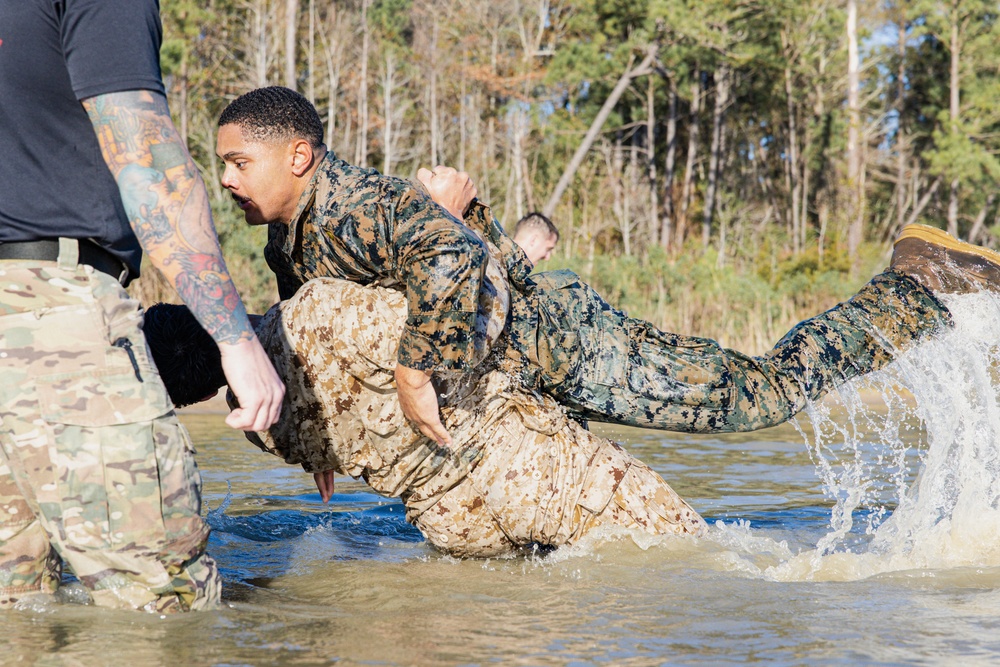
{"points": [[54, 53]]}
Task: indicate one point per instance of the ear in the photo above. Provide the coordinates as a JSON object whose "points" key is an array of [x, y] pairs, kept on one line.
{"points": [[302, 156]]}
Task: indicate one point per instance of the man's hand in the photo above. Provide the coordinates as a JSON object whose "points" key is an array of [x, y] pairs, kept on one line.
{"points": [[451, 189], [324, 483], [255, 383], [419, 402]]}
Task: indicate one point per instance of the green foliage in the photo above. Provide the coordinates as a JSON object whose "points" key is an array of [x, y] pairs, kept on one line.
{"points": [[747, 307], [958, 156], [243, 248], [393, 21], [786, 65]]}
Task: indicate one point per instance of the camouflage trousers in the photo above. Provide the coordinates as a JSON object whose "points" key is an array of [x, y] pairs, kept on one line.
{"points": [[605, 366], [536, 478], [95, 469]]}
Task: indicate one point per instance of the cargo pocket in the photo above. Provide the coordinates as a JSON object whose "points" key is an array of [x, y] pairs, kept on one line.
{"points": [[511, 475], [102, 453], [559, 352], [679, 369], [605, 347], [605, 472], [571, 342], [179, 483]]}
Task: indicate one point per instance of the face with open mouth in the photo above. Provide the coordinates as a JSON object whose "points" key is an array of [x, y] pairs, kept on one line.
{"points": [[259, 176]]}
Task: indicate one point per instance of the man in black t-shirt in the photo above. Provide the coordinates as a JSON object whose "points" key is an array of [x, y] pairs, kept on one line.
{"points": [[95, 469]]}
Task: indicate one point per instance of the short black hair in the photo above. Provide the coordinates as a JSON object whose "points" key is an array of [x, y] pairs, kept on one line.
{"points": [[186, 356], [274, 113], [536, 221]]}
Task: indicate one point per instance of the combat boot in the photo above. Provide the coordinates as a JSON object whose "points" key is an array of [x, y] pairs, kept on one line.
{"points": [[942, 263]]}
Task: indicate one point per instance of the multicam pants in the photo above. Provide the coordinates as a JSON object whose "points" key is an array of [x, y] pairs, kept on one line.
{"points": [[606, 366], [94, 467]]}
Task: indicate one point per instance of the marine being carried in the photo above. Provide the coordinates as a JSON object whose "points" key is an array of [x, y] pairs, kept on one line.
{"points": [[460, 272], [474, 316], [519, 472]]}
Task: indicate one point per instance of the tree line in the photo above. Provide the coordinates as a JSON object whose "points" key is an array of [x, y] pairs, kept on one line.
{"points": [[773, 146]]}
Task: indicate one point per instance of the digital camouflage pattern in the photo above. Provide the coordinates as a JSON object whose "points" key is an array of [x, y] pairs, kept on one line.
{"points": [[519, 471], [562, 338], [94, 466], [606, 366], [358, 225]]}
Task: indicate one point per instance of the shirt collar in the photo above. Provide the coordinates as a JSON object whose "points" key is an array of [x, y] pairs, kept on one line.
{"points": [[305, 206]]}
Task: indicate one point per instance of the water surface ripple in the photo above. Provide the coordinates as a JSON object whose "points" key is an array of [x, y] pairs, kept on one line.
{"points": [[867, 532]]}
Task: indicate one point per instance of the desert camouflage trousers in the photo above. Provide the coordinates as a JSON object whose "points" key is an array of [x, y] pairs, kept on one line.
{"points": [[537, 478], [95, 469], [605, 366]]}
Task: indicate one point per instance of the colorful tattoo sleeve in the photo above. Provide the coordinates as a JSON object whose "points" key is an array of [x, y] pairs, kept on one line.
{"points": [[167, 206]]}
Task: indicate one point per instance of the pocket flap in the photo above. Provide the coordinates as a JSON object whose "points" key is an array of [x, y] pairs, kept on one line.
{"points": [[557, 279], [101, 398]]}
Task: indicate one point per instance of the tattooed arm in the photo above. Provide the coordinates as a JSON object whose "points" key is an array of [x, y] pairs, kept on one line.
{"points": [[167, 206]]}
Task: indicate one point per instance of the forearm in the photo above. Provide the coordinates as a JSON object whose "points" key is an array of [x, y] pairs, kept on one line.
{"points": [[167, 205]]}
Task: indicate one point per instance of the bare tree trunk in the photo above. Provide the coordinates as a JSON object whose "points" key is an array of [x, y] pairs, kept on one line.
{"points": [[900, 96], [693, 134], [853, 133], [919, 208], [361, 152], [463, 132], [518, 121], [615, 169], [388, 84], [977, 225], [529, 190], [184, 95], [312, 52], [291, 30], [821, 197], [260, 37], [804, 187], [824, 221], [792, 163], [955, 83], [720, 261], [332, 52], [653, 219], [762, 176], [721, 101], [669, 166], [432, 102], [595, 127], [213, 176]]}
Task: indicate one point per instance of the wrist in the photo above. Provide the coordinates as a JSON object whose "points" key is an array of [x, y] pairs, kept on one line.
{"points": [[411, 378]]}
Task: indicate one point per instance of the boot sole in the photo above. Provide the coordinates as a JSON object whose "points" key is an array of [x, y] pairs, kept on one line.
{"points": [[937, 237]]}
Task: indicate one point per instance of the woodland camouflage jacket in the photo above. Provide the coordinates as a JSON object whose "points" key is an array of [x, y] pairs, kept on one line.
{"points": [[356, 224]]}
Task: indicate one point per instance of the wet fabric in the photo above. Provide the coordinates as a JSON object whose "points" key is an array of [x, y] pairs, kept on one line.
{"points": [[519, 471], [95, 469], [356, 224], [562, 338], [605, 366]]}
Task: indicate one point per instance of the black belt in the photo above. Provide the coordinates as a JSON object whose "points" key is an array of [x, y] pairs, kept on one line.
{"points": [[47, 250]]}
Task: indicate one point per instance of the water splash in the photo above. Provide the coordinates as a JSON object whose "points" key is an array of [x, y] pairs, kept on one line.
{"points": [[929, 499]]}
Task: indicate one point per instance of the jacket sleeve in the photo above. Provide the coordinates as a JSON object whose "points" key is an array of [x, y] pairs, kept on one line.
{"points": [[441, 264], [480, 218]]}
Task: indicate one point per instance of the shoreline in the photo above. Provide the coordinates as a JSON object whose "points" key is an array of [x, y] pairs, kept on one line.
{"points": [[214, 406], [217, 404]]}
